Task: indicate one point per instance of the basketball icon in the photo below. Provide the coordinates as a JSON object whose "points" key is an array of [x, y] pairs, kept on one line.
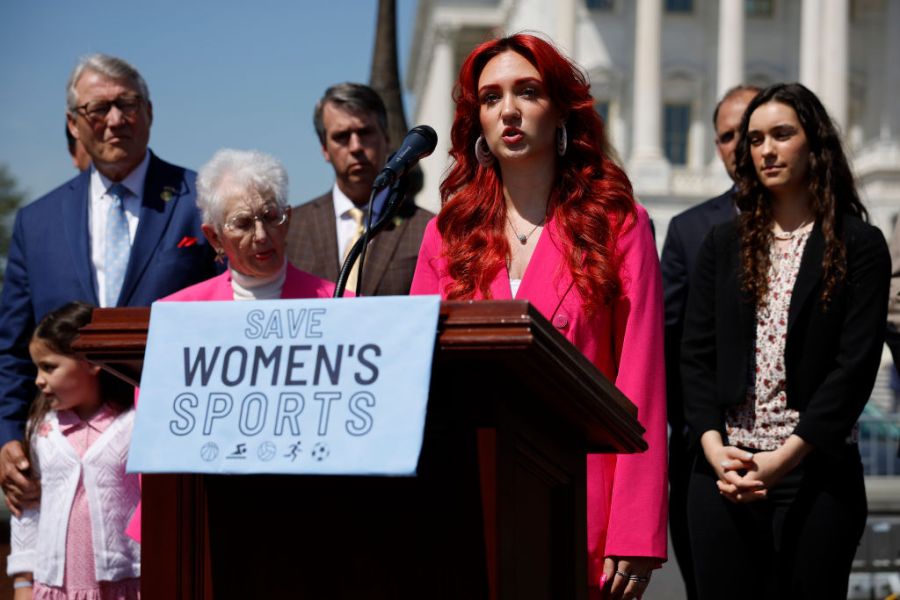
{"points": [[209, 451]]}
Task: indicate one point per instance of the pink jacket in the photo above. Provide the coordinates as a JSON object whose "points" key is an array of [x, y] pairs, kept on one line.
{"points": [[297, 284], [627, 494]]}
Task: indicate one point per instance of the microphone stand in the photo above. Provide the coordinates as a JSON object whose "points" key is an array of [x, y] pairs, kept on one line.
{"points": [[392, 204]]}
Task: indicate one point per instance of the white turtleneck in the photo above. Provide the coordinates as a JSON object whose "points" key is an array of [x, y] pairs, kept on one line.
{"points": [[246, 287]]}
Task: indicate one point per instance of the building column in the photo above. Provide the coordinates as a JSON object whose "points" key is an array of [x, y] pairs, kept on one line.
{"points": [[810, 34], [437, 109], [697, 137], [566, 26], [648, 166], [730, 70], [890, 107], [833, 70]]}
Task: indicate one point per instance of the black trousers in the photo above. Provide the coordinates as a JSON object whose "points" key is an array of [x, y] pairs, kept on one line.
{"points": [[681, 466], [797, 543]]}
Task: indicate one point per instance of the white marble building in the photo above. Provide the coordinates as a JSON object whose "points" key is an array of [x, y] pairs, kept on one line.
{"points": [[657, 68]]}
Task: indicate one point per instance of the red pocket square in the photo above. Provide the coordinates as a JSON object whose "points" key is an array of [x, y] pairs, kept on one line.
{"points": [[187, 241]]}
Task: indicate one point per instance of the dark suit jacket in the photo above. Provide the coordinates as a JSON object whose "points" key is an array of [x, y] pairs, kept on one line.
{"points": [[49, 264], [390, 258], [893, 324], [679, 255], [831, 355]]}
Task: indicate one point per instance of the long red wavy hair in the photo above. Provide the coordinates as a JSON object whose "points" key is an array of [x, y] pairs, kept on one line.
{"points": [[591, 199]]}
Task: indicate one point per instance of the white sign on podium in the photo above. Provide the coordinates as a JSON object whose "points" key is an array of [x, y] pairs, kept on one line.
{"points": [[286, 386]]}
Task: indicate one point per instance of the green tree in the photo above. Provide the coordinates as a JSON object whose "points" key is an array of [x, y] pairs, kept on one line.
{"points": [[11, 198]]}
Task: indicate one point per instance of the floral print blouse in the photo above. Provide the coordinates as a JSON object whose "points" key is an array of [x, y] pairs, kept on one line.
{"points": [[764, 421]]}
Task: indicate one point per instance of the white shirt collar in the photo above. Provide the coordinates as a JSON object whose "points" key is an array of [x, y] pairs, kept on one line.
{"points": [[134, 181], [341, 202], [345, 225]]}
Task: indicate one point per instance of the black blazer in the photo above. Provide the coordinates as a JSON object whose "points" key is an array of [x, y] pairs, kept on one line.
{"points": [[831, 356]]}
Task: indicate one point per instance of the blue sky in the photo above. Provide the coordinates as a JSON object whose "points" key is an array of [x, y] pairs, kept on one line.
{"points": [[222, 73]]}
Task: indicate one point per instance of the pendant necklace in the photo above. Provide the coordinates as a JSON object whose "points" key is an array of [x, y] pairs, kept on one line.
{"points": [[783, 236], [523, 237]]}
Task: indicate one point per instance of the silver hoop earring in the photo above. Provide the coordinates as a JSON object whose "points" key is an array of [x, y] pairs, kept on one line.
{"points": [[483, 153], [562, 140]]}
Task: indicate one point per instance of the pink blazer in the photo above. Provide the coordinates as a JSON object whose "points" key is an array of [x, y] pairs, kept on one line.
{"points": [[297, 284], [627, 494]]}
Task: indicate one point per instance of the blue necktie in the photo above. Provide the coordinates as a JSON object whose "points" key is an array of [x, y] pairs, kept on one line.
{"points": [[118, 246]]}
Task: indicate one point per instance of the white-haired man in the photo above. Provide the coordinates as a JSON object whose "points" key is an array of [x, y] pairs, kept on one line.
{"points": [[122, 233]]}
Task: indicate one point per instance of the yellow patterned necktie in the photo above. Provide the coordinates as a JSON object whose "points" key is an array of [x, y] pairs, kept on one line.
{"points": [[357, 215]]}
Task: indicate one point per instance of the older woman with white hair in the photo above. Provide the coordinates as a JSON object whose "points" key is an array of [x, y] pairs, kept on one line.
{"points": [[243, 197]]}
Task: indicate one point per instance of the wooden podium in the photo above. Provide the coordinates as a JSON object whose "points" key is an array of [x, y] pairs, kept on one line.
{"points": [[497, 509]]}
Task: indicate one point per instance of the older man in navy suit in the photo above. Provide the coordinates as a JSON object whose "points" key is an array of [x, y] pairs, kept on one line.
{"points": [[122, 233], [683, 240]]}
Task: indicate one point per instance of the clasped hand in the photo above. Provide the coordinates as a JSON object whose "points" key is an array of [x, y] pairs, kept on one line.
{"points": [[738, 474], [744, 476]]}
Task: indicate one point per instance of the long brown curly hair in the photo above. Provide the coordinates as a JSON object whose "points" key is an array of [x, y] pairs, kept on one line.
{"points": [[831, 189], [591, 196]]}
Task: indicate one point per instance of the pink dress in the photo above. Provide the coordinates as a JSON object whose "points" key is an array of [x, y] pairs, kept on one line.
{"points": [[80, 582]]}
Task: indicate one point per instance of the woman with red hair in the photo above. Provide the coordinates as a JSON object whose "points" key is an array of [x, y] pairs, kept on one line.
{"points": [[534, 208]]}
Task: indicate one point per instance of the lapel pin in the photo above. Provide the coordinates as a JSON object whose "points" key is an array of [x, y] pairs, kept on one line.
{"points": [[167, 194]]}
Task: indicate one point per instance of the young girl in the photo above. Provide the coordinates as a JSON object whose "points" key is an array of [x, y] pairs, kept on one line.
{"points": [[74, 546]]}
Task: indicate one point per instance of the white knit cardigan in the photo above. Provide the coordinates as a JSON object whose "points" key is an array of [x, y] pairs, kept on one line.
{"points": [[38, 538]]}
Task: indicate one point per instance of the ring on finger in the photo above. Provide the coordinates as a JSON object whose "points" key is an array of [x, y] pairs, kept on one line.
{"points": [[625, 575], [638, 578]]}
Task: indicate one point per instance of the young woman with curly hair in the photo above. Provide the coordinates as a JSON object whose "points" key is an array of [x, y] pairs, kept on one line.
{"points": [[534, 208], [782, 340]]}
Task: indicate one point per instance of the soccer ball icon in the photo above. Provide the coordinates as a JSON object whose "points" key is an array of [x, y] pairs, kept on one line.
{"points": [[320, 451], [209, 451], [266, 451]]}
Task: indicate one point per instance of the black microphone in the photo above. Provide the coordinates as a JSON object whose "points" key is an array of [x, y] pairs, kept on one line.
{"points": [[418, 143]]}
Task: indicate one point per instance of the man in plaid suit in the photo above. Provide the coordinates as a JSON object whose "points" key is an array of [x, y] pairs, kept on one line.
{"points": [[351, 122]]}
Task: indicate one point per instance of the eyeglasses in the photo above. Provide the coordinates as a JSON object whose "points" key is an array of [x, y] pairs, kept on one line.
{"points": [[97, 110], [272, 216]]}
